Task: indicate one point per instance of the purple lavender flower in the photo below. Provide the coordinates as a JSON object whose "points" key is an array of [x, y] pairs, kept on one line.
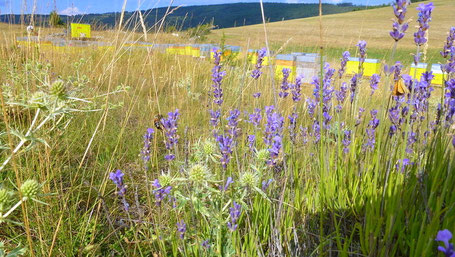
{"points": [[341, 96], [257, 71], [170, 131], [445, 236], [181, 228], [399, 26], [412, 138], [316, 131], [374, 81], [225, 143], [284, 83], [206, 244], [389, 69], [145, 152], [453, 140], [448, 46], [275, 150], [362, 45], [424, 19], [257, 95], [234, 213], [229, 181], [217, 76], [117, 178], [312, 104], [354, 81], [371, 130], [215, 117], [326, 121], [344, 61], [256, 117], [273, 126], [292, 126], [359, 116], [304, 135], [327, 89], [161, 192], [450, 101], [266, 184], [346, 140], [295, 89], [233, 121], [402, 164], [251, 142]]}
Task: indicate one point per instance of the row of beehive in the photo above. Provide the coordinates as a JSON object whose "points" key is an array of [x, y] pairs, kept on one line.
{"points": [[306, 64]]}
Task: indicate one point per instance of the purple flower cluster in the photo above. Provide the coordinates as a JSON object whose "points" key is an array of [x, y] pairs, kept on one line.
{"points": [[354, 81], [225, 144], [266, 184], [273, 133], [450, 101], [256, 117], [402, 164], [344, 61], [117, 178], [292, 126], [397, 115], [346, 140], [145, 152], [217, 76], [371, 130], [399, 26], [234, 213], [285, 83], [341, 96], [160, 192], [362, 45], [359, 116], [170, 130], [295, 89], [316, 131], [327, 89], [449, 53], [445, 236], [424, 19], [229, 181], [257, 71], [181, 229], [233, 123], [304, 135], [374, 81]]}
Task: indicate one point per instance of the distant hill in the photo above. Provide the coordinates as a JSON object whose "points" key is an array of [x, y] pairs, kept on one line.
{"points": [[222, 15]]}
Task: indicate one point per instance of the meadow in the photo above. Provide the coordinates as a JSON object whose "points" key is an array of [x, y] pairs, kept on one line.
{"points": [[117, 152]]}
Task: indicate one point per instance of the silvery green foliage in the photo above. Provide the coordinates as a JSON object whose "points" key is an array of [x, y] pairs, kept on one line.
{"points": [[44, 103]]}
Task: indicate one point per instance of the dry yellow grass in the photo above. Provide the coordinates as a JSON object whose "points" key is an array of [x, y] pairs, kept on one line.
{"points": [[344, 30]]}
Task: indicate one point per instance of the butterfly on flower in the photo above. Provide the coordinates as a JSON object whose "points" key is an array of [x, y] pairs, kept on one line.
{"points": [[400, 88], [157, 121]]}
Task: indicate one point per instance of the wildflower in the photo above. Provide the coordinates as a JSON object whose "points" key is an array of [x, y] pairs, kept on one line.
{"points": [[375, 79], [30, 188], [251, 142], [273, 126], [445, 236], [304, 135], [257, 71], [234, 213], [295, 89], [359, 116], [262, 156], [161, 192], [117, 178], [341, 96], [316, 131], [346, 140], [275, 150], [58, 89], [399, 26], [344, 61], [292, 126], [170, 130], [371, 130], [256, 117], [285, 83], [402, 164], [448, 46], [145, 152], [217, 77], [312, 104], [205, 244], [257, 95], [233, 121], [266, 184], [199, 173], [424, 19], [225, 144], [249, 179], [181, 228], [215, 117], [229, 181], [353, 82], [362, 45]]}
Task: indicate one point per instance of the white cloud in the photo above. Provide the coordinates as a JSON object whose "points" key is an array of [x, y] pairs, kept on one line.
{"points": [[70, 11]]}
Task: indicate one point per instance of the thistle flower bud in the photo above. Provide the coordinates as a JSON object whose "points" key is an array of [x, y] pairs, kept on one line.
{"points": [[199, 173], [38, 100], [165, 180], [58, 89], [30, 188], [263, 155], [249, 179], [208, 147]]}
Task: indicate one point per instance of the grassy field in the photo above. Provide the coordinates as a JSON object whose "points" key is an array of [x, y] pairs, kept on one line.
{"points": [[89, 168]]}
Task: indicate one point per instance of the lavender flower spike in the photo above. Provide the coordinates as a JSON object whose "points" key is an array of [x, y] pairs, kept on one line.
{"points": [[374, 81], [344, 61], [170, 131], [217, 76], [445, 236], [425, 11], [234, 213], [181, 228], [145, 152], [257, 71], [399, 25], [117, 178]]}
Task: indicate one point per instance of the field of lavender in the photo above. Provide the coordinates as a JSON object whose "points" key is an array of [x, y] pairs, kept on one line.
{"points": [[142, 153]]}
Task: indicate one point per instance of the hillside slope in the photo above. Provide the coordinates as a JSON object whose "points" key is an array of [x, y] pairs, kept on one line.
{"points": [[344, 30]]}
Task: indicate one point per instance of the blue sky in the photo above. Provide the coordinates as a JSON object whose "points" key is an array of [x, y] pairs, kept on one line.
{"points": [[101, 6]]}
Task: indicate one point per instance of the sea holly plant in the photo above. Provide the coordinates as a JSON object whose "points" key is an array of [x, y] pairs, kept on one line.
{"points": [[52, 105]]}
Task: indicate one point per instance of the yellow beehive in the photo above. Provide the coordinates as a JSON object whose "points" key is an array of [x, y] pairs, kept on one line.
{"points": [[416, 73], [196, 51], [370, 66], [437, 73], [188, 50], [283, 61], [80, 30]]}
